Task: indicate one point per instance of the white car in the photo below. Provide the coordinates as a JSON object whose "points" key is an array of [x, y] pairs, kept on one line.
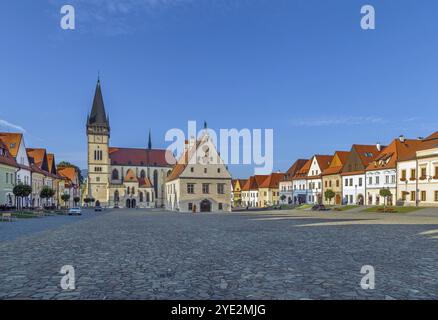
{"points": [[74, 212]]}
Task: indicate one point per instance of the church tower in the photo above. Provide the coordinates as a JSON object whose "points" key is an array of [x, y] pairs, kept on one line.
{"points": [[98, 134]]}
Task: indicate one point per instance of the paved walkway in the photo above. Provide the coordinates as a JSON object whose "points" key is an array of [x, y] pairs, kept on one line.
{"points": [[270, 255]]}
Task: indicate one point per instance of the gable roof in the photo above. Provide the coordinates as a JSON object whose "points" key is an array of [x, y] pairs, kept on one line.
{"points": [[323, 161], [272, 181], [12, 142], [254, 182], [334, 169], [5, 157], [290, 173], [240, 181], [397, 150], [38, 158], [68, 172], [139, 157], [302, 173], [51, 163], [183, 161]]}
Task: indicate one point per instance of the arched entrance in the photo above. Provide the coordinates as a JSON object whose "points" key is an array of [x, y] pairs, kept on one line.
{"points": [[205, 206], [133, 203], [338, 199], [128, 203]]}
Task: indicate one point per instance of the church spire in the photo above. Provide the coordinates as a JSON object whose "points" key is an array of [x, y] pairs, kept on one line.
{"points": [[98, 117], [150, 140]]}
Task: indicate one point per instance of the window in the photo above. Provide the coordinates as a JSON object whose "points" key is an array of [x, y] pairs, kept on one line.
{"points": [[221, 188], [413, 174], [190, 188], [370, 180], [377, 180], [346, 182], [115, 174], [218, 170], [220, 206], [413, 196], [337, 183], [98, 169], [403, 175], [436, 173], [351, 182], [142, 174], [403, 195], [190, 206], [387, 179], [192, 169], [436, 196], [423, 195], [205, 188], [205, 170], [360, 182], [423, 173]]}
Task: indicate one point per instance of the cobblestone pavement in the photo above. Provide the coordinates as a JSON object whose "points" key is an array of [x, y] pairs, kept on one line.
{"points": [[267, 255]]}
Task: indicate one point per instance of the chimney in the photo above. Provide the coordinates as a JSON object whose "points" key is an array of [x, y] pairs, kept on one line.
{"points": [[402, 138], [378, 146]]}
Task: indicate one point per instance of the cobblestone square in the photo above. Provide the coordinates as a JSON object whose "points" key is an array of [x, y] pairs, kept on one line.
{"points": [[148, 254]]}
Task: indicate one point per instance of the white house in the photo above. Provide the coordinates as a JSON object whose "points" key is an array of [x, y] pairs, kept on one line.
{"points": [[353, 173], [314, 179], [286, 185]]}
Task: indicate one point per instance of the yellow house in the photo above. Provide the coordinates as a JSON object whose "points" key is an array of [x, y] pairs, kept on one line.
{"points": [[269, 190], [331, 177], [237, 185]]}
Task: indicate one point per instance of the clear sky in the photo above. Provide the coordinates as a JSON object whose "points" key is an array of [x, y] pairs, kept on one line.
{"points": [[304, 68]]}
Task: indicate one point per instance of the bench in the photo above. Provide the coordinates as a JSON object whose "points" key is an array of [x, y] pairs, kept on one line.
{"points": [[7, 217]]}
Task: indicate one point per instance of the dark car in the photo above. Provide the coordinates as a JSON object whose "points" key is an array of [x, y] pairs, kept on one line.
{"points": [[319, 207]]}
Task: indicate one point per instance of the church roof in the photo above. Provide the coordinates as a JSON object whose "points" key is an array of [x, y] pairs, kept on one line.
{"points": [[12, 141], [98, 116], [5, 157], [140, 157]]}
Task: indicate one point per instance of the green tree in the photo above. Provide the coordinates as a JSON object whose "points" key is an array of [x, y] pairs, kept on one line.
{"points": [[47, 193], [76, 200], [329, 194], [385, 193], [22, 191], [87, 201], [65, 197], [282, 197]]}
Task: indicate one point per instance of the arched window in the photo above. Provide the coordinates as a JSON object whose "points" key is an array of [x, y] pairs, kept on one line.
{"points": [[168, 172], [156, 183], [115, 175], [133, 190], [142, 174], [116, 195], [141, 196], [127, 190]]}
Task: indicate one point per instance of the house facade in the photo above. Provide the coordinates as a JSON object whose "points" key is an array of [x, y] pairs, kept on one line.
{"points": [[15, 144], [286, 188], [200, 181], [417, 181], [236, 192], [299, 184], [269, 192], [8, 169], [314, 178], [353, 173], [331, 178], [381, 173]]}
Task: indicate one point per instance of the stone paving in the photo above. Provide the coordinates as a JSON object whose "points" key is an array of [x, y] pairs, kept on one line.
{"points": [[141, 254]]}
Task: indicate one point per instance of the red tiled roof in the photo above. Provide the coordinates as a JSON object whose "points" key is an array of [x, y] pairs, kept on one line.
{"points": [[12, 141], [254, 182], [68, 172], [290, 173], [139, 157], [5, 157], [272, 181], [332, 169], [323, 161], [302, 173]]}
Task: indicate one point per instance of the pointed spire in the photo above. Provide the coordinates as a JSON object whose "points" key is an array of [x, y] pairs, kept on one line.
{"points": [[150, 140], [205, 125], [98, 115]]}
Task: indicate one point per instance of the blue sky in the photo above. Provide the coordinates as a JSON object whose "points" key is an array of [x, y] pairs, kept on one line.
{"points": [[304, 68]]}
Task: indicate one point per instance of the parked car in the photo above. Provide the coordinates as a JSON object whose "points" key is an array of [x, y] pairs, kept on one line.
{"points": [[319, 207], [98, 208], [74, 211]]}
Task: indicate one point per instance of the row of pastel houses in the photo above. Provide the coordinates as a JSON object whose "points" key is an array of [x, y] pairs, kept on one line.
{"points": [[408, 168], [36, 168]]}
